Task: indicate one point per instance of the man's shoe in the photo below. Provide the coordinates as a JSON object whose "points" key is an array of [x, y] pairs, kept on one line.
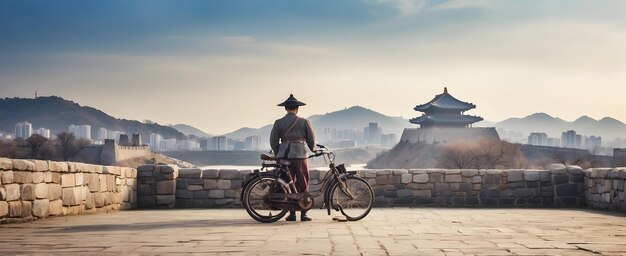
{"points": [[305, 218], [291, 217]]}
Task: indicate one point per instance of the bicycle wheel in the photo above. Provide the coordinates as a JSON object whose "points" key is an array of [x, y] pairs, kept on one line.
{"points": [[354, 199], [255, 204]]}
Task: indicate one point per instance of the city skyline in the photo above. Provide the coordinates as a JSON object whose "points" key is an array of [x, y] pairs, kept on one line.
{"points": [[195, 63]]}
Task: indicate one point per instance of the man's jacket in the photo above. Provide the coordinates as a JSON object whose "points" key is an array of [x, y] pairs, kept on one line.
{"points": [[291, 145]]}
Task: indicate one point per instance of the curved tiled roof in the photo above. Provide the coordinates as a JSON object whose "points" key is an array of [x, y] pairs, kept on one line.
{"points": [[445, 101], [446, 119]]}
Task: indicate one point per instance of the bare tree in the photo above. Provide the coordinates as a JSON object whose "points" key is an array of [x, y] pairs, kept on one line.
{"points": [[70, 146], [35, 142]]}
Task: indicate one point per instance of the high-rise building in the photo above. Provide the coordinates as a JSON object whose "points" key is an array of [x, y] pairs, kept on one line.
{"points": [[44, 132], [81, 131], [593, 142], [155, 141], [220, 143], [188, 145], [388, 140], [252, 142], [114, 135], [570, 139], [102, 134], [23, 130], [538, 139], [372, 133], [169, 145]]}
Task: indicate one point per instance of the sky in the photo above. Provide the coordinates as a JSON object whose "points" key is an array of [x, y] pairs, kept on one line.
{"points": [[222, 65]]}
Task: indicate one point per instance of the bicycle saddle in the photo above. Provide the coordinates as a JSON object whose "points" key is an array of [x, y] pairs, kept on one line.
{"points": [[266, 157]]}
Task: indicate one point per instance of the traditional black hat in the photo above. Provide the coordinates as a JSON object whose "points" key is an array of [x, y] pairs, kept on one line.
{"points": [[292, 102]]}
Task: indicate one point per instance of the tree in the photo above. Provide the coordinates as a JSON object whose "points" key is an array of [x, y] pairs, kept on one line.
{"points": [[35, 142], [70, 146]]}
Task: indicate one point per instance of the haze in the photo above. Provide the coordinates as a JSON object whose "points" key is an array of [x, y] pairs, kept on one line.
{"points": [[222, 65]]}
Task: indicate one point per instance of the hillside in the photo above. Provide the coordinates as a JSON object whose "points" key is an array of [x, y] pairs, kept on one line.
{"points": [[351, 118], [190, 130], [57, 114], [607, 127]]}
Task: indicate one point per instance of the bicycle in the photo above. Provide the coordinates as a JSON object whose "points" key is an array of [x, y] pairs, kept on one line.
{"points": [[268, 193]]}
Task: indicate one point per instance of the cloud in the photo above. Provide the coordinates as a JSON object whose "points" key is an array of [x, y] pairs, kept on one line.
{"points": [[405, 7], [462, 4]]}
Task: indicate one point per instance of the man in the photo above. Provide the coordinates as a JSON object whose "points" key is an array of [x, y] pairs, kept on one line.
{"points": [[287, 141]]}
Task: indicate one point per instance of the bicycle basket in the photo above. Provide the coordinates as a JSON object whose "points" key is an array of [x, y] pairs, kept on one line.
{"points": [[341, 168]]}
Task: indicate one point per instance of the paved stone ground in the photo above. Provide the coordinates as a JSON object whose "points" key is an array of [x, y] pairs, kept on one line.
{"points": [[389, 231]]}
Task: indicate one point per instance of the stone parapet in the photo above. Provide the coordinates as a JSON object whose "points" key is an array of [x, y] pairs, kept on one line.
{"points": [[34, 189], [157, 186], [605, 188]]}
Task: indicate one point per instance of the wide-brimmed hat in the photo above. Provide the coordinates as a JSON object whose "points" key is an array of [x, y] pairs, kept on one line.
{"points": [[292, 102]]}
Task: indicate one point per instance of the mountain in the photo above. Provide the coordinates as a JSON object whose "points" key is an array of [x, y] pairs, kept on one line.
{"points": [[608, 128], [355, 118], [190, 130], [57, 114]]}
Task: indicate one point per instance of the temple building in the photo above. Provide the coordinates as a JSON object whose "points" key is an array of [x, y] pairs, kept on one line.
{"points": [[444, 121], [445, 111]]}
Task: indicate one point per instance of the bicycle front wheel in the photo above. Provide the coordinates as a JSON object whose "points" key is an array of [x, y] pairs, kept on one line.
{"points": [[353, 197], [255, 202]]}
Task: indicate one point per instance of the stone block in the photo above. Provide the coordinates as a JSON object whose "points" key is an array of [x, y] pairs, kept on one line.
{"points": [[110, 182], [442, 187], [561, 179], [68, 180], [422, 193], [194, 187], [202, 194], [100, 199], [406, 178], [145, 190], [28, 192], [93, 182], [166, 200], [210, 174], [71, 196], [515, 175], [435, 177], [221, 202], [145, 174], [228, 174], [90, 201], [223, 184], [230, 193], [523, 192], [168, 169], [15, 209], [47, 177], [41, 191], [190, 173], [55, 208], [404, 192], [453, 178], [41, 208], [235, 184], [13, 192], [4, 209], [469, 173], [421, 178], [166, 187], [145, 168], [55, 191], [7, 177], [22, 177], [532, 175], [23, 165], [40, 165], [103, 182], [399, 172], [27, 209], [6, 164], [37, 177], [216, 194], [57, 166], [79, 179], [184, 194], [492, 179], [56, 178]]}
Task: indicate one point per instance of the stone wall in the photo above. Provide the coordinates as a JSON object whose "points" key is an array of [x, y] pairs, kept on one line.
{"points": [[157, 186], [605, 188], [33, 189], [560, 186]]}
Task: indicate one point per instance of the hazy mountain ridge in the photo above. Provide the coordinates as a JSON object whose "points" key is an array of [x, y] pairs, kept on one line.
{"points": [[355, 117], [57, 114], [609, 128], [190, 130]]}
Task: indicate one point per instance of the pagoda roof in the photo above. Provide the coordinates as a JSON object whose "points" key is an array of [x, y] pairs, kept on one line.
{"points": [[445, 101], [446, 119]]}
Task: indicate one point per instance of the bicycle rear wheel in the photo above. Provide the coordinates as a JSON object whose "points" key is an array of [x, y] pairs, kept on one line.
{"points": [[255, 203], [354, 199]]}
